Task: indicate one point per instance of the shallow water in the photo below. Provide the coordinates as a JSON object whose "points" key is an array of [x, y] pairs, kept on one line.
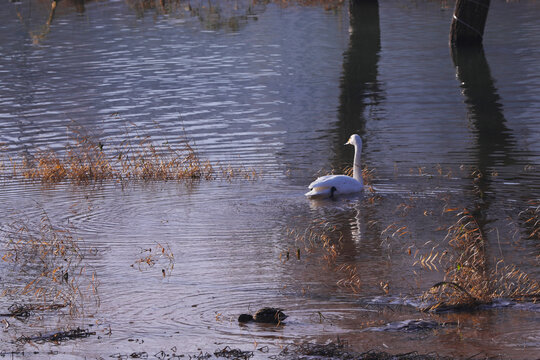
{"points": [[278, 90]]}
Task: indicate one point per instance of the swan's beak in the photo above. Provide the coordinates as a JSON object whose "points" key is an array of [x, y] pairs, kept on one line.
{"points": [[348, 142]]}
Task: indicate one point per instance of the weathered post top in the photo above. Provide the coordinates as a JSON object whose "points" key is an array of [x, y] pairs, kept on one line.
{"points": [[468, 22]]}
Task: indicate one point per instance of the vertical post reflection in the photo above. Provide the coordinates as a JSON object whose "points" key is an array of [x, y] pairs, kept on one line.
{"points": [[359, 86], [494, 140], [359, 89], [79, 6]]}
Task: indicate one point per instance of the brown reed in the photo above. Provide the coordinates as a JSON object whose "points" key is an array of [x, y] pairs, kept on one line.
{"points": [[87, 160], [531, 218], [468, 280]]}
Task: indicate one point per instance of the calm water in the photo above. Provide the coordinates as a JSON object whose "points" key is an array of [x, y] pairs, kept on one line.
{"points": [[277, 89]]}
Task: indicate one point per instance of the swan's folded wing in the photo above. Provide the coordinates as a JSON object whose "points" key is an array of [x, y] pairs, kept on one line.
{"points": [[336, 181], [323, 181], [334, 184]]}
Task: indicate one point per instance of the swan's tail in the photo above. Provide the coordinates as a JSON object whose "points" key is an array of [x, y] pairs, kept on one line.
{"points": [[319, 193]]}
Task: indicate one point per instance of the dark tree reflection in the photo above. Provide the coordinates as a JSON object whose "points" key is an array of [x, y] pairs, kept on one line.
{"points": [[494, 141], [359, 86], [359, 89]]}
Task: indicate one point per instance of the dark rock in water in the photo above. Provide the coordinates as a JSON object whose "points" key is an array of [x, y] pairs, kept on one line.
{"points": [[410, 325], [267, 315]]}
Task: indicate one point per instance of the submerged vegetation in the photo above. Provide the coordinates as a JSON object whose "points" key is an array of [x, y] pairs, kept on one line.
{"points": [[159, 255], [47, 264], [212, 14]]}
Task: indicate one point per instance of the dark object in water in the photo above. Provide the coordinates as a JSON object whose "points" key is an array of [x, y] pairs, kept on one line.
{"points": [[265, 315], [23, 311], [77, 333], [236, 354]]}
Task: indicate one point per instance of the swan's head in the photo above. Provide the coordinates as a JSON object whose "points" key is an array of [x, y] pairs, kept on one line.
{"points": [[355, 140]]}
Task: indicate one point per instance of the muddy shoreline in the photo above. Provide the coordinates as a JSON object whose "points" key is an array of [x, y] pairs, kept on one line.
{"points": [[337, 350]]}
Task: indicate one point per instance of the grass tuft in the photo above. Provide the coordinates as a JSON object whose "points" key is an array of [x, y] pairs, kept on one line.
{"points": [[468, 282], [531, 217], [86, 160]]}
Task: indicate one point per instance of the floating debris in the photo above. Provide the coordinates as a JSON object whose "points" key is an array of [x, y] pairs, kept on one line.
{"points": [[23, 311], [229, 353], [53, 264], [77, 333]]}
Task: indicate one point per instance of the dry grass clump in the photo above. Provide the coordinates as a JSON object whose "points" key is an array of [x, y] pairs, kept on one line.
{"points": [[82, 162], [137, 158], [229, 353], [145, 161], [352, 279], [8, 166], [50, 264], [87, 160], [468, 281]]}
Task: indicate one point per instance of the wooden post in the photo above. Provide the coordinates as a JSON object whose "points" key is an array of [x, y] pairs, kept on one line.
{"points": [[468, 22]]}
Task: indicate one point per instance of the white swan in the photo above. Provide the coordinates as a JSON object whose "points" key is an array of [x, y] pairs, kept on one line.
{"points": [[330, 185]]}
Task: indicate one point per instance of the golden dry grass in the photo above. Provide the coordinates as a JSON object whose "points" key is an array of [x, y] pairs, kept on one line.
{"points": [[469, 281], [87, 160], [531, 218]]}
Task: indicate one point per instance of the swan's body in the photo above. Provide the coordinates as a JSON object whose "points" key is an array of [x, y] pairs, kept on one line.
{"points": [[330, 185]]}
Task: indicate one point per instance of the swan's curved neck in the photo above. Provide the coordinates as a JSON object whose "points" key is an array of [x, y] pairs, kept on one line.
{"points": [[357, 167]]}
